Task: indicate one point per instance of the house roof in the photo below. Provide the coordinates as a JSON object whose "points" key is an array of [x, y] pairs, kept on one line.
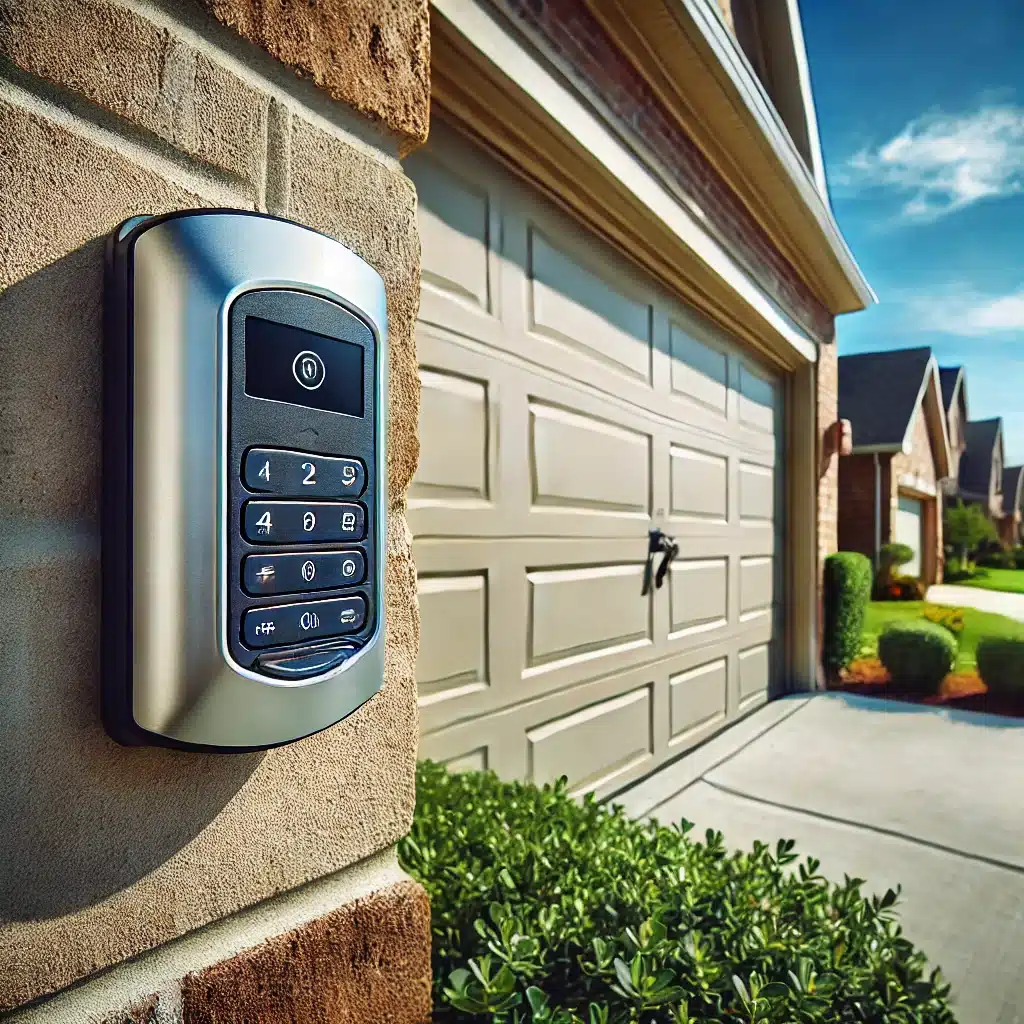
{"points": [[879, 392], [1013, 476], [949, 377], [981, 438]]}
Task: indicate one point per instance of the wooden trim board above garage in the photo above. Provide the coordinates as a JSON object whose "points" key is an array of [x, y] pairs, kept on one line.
{"points": [[493, 89]]}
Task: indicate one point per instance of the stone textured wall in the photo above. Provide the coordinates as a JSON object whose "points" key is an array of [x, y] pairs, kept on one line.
{"points": [[919, 462], [110, 109]]}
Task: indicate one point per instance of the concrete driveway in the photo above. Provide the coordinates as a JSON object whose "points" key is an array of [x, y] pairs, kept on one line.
{"points": [[1011, 605], [892, 793]]}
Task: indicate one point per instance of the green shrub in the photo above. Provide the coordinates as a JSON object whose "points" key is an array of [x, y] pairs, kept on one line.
{"points": [[847, 592], [902, 588], [1001, 663], [895, 554], [545, 910], [917, 654], [997, 560], [1018, 557]]}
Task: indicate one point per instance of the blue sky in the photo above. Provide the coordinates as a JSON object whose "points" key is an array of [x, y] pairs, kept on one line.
{"points": [[921, 113]]}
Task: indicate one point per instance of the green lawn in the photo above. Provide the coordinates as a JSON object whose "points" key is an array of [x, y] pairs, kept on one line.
{"points": [[1009, 580], [976, 625]]}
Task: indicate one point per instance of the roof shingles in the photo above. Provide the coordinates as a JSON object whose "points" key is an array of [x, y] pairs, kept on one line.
{"points": [[878, 393]]}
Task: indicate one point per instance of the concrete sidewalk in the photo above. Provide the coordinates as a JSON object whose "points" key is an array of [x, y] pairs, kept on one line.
{"points": [[892, 793], [1011, 605]]}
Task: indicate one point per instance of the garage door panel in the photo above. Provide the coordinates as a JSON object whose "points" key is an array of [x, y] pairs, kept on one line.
{"points": [[587, 465], [582, 309], [601, 734], [570, 405], [699, 370], [454, 427], [453, 657], [757, 491], [595, 745], [699, 482], [757, 578], [754, 674], [583, 612], [459, 213], [698, 701], [698, 595]]}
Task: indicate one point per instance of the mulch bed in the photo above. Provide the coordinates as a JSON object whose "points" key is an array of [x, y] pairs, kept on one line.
{"points": [[962, 690]]}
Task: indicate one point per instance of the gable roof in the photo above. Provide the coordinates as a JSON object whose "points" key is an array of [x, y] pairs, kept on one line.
{"points": [[880, 393], [949, 378], [1013, 477], [981, 438]]}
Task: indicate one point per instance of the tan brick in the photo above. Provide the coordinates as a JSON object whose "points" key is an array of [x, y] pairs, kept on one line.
{"points": [[61, 195], [142, 73], [373, 56], [144, 845], [365, 963], [377, 220]]}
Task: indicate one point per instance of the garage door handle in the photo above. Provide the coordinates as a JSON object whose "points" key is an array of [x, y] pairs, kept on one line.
{"points": [[658, 543]]}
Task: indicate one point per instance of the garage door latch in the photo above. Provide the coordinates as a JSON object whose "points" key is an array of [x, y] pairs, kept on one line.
{"points": [[666, 546]]}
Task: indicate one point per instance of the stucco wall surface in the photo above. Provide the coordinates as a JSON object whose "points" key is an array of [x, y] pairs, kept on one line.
{"points": [[109, 110]]}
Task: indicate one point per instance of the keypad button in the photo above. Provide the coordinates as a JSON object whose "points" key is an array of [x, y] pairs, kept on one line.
{"points": [[275, 471], [295, 573], [309, 620], [302, 522]]}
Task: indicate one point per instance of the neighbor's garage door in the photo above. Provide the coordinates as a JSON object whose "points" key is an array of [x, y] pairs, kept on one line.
{"points": [[568, 405], [909, 519]]}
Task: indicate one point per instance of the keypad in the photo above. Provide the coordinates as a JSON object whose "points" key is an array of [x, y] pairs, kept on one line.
{"points": [[272, 471], [278, 516]]}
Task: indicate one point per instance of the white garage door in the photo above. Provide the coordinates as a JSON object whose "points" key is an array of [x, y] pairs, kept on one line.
{"points": [[909, 518], [568, 405]]}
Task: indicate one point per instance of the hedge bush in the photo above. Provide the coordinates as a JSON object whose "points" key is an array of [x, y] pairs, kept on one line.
{"points": [[1001, 663], [917, 654], [998, 560], [546, 910], [847, 592]]}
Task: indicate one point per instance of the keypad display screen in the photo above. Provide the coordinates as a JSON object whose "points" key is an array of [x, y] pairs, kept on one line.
{"points": [[288, 364]]}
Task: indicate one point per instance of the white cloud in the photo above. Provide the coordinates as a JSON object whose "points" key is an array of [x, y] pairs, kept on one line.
{"points": [[942, 163], [969, 313]]}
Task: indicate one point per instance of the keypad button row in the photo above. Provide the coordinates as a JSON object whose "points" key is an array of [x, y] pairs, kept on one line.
{"points": [[302, 522]]}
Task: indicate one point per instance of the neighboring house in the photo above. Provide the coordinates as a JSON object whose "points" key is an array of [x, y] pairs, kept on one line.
{"points": [[890, 487], [980, 480], [954, 401], [630, 278], [1013, 495]]}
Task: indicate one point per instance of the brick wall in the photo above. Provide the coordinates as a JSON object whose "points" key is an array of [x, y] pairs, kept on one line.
{"points": [[857, 504], [828, 483], [589, 56]]}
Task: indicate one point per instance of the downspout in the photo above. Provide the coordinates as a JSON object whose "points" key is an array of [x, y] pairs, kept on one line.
{"points": [[878, 510]]}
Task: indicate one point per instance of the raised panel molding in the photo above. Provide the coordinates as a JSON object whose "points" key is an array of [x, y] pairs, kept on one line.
{"points": [[453, 636], [582, 613], [594, 745], [572, 305], [756, 585], [757, 492], [698, 595], [453, 466], [454, 222], [583, 464], [699, 371], [699, 484], [697, 699]]}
